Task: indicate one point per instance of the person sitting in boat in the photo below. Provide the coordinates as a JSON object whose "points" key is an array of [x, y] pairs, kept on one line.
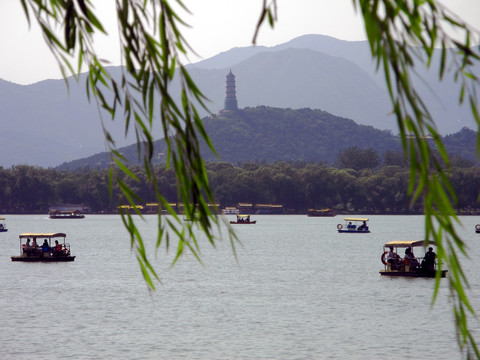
{"points": [[28, 248], [393, 258], [428, 262], [410, 259], [57, 249], [45, 246], [363, 226], [34, 246], [350, 225]]}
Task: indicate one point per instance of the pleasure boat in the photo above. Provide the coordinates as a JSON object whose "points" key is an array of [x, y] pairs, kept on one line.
{"points": [[410, 265], [352, 226], [33, 251], [320, 213], [3, 226], [243, 219], [71, 214]]}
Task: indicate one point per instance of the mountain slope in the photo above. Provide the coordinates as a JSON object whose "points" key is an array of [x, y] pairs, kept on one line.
{"points": [[267, 134]]}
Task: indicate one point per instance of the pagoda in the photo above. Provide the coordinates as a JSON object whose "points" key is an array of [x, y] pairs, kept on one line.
{"points": [[230, 93]]}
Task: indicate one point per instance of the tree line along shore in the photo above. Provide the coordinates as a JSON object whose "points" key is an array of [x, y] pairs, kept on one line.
{"points": [[360, 181]]}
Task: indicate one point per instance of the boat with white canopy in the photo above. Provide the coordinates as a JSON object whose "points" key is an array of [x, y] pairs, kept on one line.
{"points": [[410, 265], [53, 249], [354, 226]]}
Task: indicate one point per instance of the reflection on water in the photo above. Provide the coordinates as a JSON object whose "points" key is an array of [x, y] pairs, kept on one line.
{"points": [[299, 290]]}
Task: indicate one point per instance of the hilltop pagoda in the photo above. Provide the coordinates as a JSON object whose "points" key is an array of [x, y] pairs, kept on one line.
{"points": [[230, 93]]}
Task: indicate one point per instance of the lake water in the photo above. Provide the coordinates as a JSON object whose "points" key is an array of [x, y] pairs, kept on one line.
{"points": [[299, 290]]}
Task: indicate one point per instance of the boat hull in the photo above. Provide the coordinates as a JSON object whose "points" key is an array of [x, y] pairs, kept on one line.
{"points": [[244, 223], [3, 230], [354, 231], [429, 274], [67, 217], [43, 259]]}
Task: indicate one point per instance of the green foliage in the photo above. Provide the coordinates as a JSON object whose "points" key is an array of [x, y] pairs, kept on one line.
{"points": [[151, 42], [296, 186], [273, 134], [354, 158], [392, 28]]}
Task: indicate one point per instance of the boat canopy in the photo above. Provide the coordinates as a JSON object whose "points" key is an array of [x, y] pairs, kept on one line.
{"points": [[408, 243], [2, 218], [42, 235], [355, 219], [243, 216]]}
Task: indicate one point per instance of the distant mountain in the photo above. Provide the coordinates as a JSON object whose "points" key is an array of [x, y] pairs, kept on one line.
{"points": [[357, 52], [266, 134], [40, 124], [440, 96]]}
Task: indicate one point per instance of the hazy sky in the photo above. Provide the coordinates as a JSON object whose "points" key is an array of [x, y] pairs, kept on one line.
{"points": [[217, 26]]}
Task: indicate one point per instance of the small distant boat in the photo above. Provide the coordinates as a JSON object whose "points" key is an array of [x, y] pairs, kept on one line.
{"points": [[45, 252], [409, 266], [243, 219], [351, 226], [477, 228], [318, 213], [3, 226], [230, 210], [69, 214]]}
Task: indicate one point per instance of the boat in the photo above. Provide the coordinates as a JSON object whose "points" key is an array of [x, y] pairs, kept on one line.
{"points": [[229, 210], [243, 219], [351, 226], [46, 252], [3, 226], [477, 228], [68, 214], [410, 266], [322, 212]]}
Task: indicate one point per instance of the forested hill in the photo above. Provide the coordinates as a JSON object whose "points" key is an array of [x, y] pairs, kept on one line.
{"points": [[266, 134]]}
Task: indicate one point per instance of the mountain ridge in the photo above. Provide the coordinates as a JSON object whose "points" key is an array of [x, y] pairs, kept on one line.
{"points": [[41, 125]]}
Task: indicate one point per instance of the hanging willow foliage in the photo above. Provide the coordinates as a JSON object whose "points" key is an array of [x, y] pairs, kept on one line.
{"points": [[401, 33]]}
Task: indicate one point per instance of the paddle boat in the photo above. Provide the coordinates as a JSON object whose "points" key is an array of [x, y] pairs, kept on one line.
{"points": [[33, 251], [3, 226], [477, 228], [410, 266], [352, 226], [243, 219]]}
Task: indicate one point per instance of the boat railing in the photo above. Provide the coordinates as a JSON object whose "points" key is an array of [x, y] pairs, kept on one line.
{"points": [[403, 264], [39, 251]]}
